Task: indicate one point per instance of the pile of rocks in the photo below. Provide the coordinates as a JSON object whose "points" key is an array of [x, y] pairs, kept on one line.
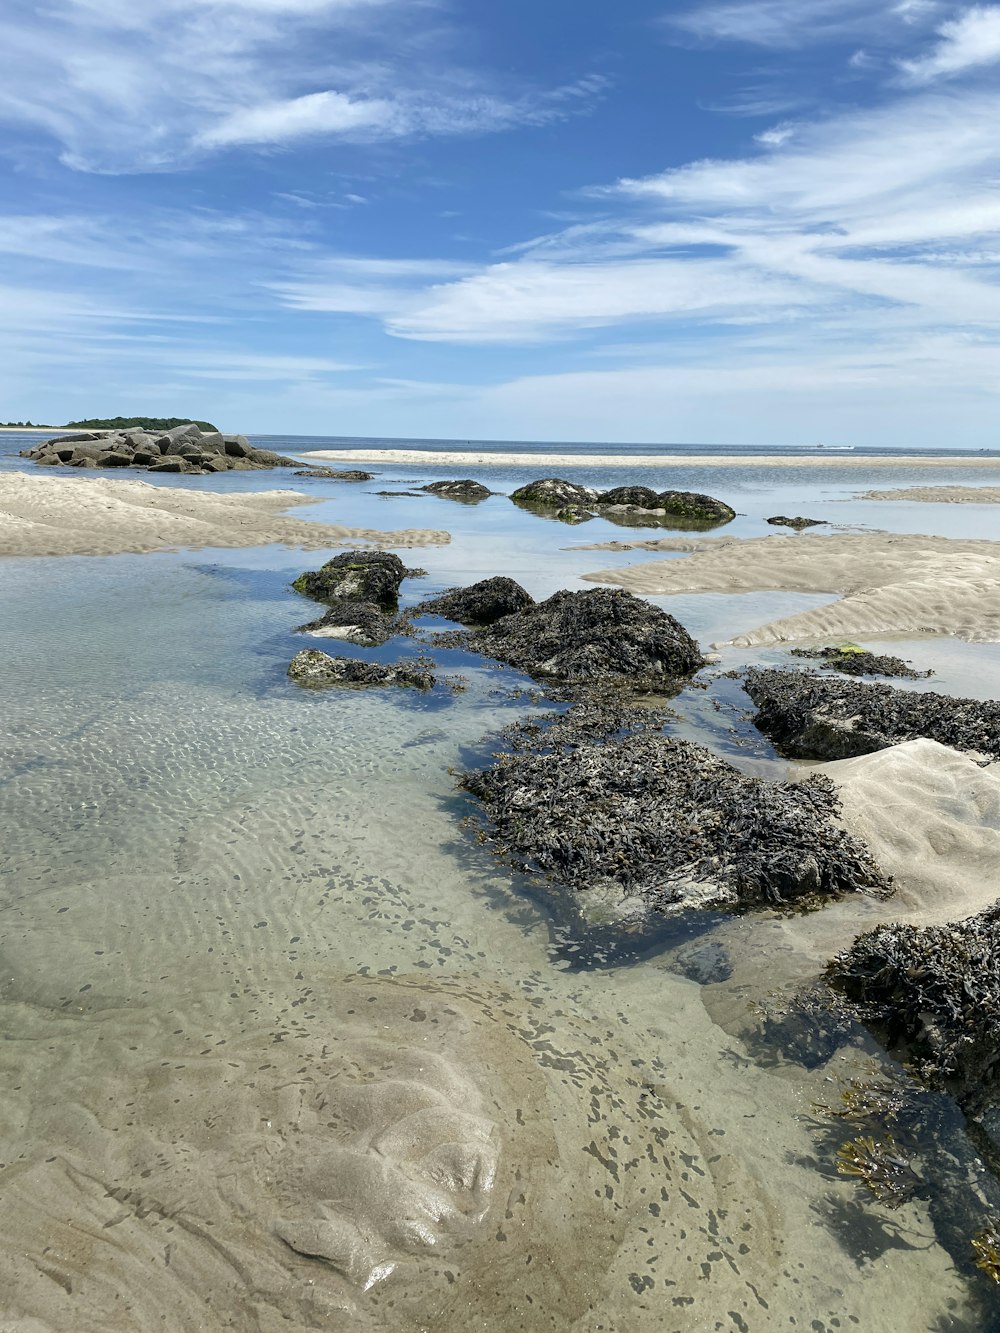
{"points": [[186, 449], [318, 671], [809, 717], [572, 503], [854, 661]]}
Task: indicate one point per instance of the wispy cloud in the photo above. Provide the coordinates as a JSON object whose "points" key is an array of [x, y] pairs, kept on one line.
{"points": [[970, 41], [786, 24], [123, 87]]}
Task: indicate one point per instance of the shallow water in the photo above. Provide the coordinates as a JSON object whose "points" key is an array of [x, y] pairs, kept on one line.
{"points": [[258, 981]]}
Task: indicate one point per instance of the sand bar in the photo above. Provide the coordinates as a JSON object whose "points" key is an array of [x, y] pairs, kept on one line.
{"points": [[952, 495], [890, 584], [46, 515], [475, 458]]}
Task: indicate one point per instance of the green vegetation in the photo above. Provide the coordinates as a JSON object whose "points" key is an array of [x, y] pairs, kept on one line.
{"points": [[28, 425], [139, 423]]}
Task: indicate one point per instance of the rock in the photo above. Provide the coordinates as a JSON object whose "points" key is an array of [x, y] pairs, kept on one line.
{"points": [[783, 521], [600, 801], [359, 576], [479, 604], [553, 493], [572, 514], [692, 505], [357, 622], [639, 496], [267, 458], [199, 451], [236, 446], [466, 492], [167, 465], [333, 474], [178, 433], [810, 717], [114, 459], [932, 996], [318, 671], [705, 961], [854, 661], [601, 635]]}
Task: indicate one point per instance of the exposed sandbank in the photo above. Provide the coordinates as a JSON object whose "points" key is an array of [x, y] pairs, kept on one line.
{"points": [[472, 457], [890, 584], [952, 495], [46, 515]]}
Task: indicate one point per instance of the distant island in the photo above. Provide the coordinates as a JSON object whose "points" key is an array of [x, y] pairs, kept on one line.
{"points": [[142, 423], [26, 425]]}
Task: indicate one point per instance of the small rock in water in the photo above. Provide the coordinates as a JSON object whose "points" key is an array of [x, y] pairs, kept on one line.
{"points": [[809, 717], [334, 474], [358, 622], [783, 521], [553, 493], [318, 671], [854, 661], [466, 492], [481, 603], [361, 576]]}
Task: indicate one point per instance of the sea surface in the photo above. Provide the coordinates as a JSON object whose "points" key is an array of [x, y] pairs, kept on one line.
{"points": [[226, 905]]}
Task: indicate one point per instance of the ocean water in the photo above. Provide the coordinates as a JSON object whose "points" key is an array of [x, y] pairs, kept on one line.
{"points": [[259, 981]]}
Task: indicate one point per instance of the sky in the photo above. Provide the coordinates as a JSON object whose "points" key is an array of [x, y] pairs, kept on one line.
{"points": [[760, 222]]}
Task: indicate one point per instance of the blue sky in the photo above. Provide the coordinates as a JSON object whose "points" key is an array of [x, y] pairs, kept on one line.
{"points": [[763, 223]]}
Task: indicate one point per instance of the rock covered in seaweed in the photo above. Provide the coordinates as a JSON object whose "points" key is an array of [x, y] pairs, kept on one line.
{"points": [[603, 634], [854, 661], [465, 492], [810, 717], [357, 622], [694, 506], [601, 801], [186, 448], [932, 994], [797, 522], [336, 474], [639, 496], [360, 576], [553, 493], [481, 603], [318, 671]]}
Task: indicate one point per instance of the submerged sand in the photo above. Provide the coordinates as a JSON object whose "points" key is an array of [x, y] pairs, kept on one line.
{"points": [[952, 495], [472, 457], [45, 515], [889, 583]]}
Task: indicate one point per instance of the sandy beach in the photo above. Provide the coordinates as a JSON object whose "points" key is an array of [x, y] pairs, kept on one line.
{"points": [[472, 458], [954, 495], [46, 515], [889, 583]]}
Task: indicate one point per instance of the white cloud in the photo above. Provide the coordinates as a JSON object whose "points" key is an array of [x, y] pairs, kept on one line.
{"points": [[329, 113], [786, 24], [970, 41]]}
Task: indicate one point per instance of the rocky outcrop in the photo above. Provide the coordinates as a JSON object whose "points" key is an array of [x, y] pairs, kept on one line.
{"points": [[932, 995], [571, 503], [603, 635], [358, 576], [465, 492], [783, 521], [553, 493], [186, 449], [809, 717], [333, 474], [354, 621], [318, 671], [601, 801], [851, 660], [481, 603]]}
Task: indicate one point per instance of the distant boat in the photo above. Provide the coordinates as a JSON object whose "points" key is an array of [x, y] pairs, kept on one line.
{"points": [[843, 447]]}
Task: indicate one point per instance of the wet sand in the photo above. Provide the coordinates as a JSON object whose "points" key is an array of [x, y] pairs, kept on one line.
{"points": [[46, 515], [472, 457], [889, 583], [954, 495]]}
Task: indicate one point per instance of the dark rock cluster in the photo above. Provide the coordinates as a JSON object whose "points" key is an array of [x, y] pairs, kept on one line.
{"points": [[783, 521], [359, 576], [932, 995], [336, 474], [600, 799], [465, 492], [356, 621], [186, 449], [854, 661], [603, 635], [811, 717], [481, 603], [318, 671], [572, 503]]}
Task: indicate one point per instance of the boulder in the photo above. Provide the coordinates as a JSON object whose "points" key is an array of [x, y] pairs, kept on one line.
{"points": [[114, 458], [236, 446], [466, 492], [334, 474], [553, 493], [481, 603], [812, 717], [318, 671], [599, 800], [572, 514], [167, 465], [359, 576], [357, 622], [692, 505], [267, 458], [639, 496], [783, 521], [601, 635]]}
